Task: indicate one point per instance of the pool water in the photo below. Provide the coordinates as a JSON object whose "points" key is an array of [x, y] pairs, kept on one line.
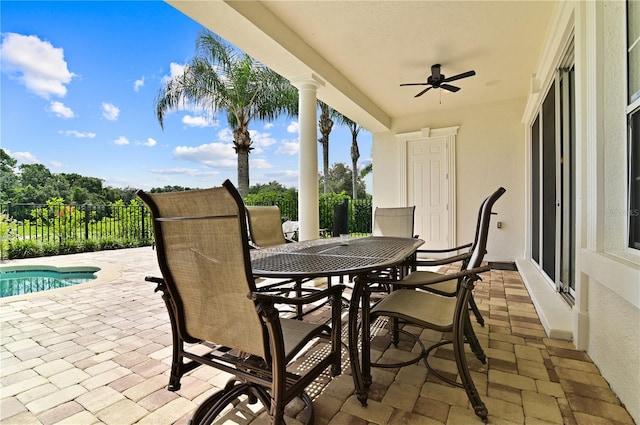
{"points": [[19, 280]]}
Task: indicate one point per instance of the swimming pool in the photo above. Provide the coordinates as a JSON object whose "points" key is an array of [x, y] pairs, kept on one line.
{"points": [[19, 280]]}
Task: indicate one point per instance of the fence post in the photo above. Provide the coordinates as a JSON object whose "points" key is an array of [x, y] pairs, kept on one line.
{"points": [[142, 229], [86, 221]]}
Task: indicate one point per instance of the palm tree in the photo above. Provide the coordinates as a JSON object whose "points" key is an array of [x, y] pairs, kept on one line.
{"points": [[221, 78], [355, 152], [325, 124]]}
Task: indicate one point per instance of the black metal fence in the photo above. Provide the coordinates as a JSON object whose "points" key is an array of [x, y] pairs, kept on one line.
{"points": [[48, 229]]}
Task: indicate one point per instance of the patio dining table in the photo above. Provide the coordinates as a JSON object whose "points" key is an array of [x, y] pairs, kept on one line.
{"points": [[333, 257]]}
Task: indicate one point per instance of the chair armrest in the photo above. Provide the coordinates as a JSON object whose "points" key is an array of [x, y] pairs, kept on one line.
{"points": [[440, 251], [159, 281], [441, 261], [441, 278], [335, 291], [154, 279]]}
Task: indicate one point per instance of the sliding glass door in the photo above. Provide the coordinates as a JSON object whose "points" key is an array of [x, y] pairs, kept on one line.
{"points": [[553, 181]]}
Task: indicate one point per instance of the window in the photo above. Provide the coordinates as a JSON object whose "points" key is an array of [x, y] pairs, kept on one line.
{"points": [[633, 110]]}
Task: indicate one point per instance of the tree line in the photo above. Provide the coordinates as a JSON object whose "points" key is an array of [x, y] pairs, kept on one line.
{"points": [[35, 183]]}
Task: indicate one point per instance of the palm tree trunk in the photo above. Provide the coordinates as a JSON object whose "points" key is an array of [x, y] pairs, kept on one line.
{"points": [[355, 155], [326, 124], [242, 145], [243, 171]]}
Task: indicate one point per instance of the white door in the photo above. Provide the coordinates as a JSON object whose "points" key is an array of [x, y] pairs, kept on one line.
{"points": [[429, 190]]}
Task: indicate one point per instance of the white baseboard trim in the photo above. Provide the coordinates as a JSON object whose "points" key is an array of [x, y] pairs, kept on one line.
{"points": [[554, 312]]}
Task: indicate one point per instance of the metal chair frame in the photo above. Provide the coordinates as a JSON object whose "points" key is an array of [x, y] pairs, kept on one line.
{"points": [[259, 371]]}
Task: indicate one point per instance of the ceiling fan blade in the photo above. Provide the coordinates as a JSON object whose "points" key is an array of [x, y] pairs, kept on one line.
{"points": [[413, 84], [449, 87], [459, 76], [423, 92]]}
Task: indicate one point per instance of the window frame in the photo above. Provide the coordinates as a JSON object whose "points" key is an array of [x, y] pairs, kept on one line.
{"points": [[633, 133]]}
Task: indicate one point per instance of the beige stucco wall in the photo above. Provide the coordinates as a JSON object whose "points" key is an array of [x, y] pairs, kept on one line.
{"points": [[611, 270], [614, 343], [489, 154]]}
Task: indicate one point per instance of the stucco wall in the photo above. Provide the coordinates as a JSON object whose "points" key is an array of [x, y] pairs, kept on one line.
{"points": [[489, 154], [611, 282], [614, 343]]}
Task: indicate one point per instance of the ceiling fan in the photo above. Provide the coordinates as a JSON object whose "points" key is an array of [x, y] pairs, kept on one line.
{"points": [[438, 81]]}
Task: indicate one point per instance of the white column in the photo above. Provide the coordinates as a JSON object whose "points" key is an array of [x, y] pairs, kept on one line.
{"points": [[308, 213]]}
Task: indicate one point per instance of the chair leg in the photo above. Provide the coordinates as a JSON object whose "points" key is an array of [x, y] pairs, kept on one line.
{"points": [[472, 339], [474, 308], [298, 286], [459, 332]]}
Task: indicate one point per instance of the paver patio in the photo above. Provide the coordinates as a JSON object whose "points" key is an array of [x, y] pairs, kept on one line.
{"points": [[99, 353]]}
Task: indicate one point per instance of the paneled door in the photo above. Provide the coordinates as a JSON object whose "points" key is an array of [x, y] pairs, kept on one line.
{"points": [[429, 187]]}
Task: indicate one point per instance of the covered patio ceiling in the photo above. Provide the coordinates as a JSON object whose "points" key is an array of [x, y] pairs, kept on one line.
{"points": [[364, 50]]}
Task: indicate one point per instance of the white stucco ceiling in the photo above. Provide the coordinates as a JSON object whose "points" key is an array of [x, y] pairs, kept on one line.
{"points": [[363, 50]]}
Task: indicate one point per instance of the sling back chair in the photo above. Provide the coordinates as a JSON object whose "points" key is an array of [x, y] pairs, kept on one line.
{"points": [[265, 226], [265, 230], [397, 222], [412, 305], [211, 297], [449, 288], [394, 222]]}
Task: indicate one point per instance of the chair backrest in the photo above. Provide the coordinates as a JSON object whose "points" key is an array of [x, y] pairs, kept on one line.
{"points": [[265, 225], [394, 222], [482, 230], [203, 253], [340, 219]]}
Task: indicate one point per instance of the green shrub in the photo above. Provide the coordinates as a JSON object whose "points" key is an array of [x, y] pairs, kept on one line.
{"points": [[70, 246], [49, 249], [24, 249], [90, 245], [110, 243]]}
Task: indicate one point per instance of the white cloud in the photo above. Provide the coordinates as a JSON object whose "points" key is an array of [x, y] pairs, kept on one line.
{"points": [[293, 127], [187, 171], [268, 125], [121, 141], [60, 110], [150, 142], [25, 157], [226, 135], [78, 134], [36, 64], [138, 84], [260, 140], [259, 164], [110, 111], [212, 154], [192, 172], [288, 147], [175, 69], [200, 121], [56, 164]]}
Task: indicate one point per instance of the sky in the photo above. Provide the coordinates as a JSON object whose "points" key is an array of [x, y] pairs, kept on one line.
{"points": [[78, 85]]}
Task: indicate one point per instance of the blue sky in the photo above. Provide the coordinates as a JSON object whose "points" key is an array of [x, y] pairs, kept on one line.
{"points": [[78, 85]]}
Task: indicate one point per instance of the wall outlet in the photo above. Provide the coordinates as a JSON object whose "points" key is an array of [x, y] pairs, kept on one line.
{"points": [[499, 224]]}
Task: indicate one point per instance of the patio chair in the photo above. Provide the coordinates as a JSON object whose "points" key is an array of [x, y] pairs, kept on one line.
{"points": [[449, 288], [340, 219], [265, 226], [413, 305], [397, 221], [265, 230], [211, 297], [394, 222]]}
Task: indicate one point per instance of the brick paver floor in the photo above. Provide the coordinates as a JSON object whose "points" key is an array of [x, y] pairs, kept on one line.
{"points": [[99, 353]]}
